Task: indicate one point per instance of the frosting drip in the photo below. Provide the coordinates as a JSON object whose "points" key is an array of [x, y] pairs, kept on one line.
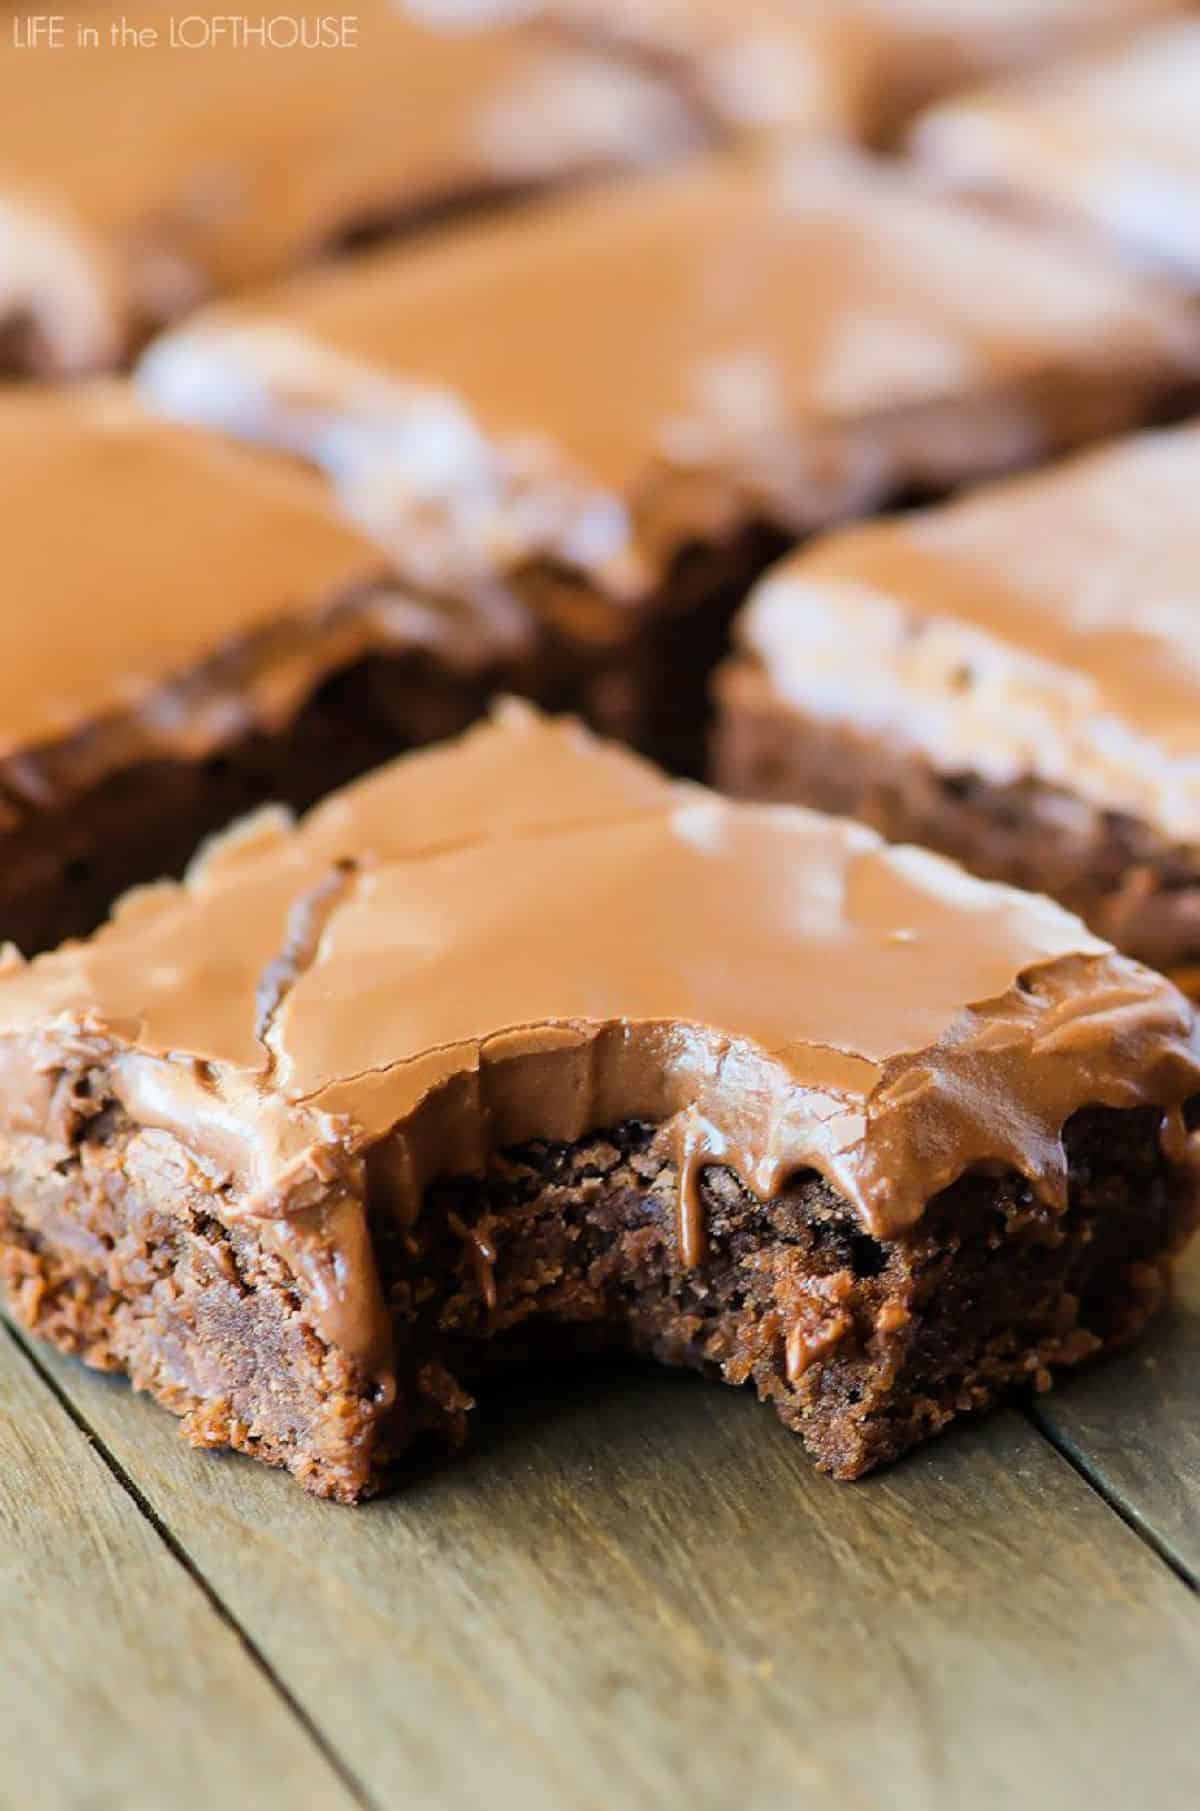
{"points": [[534, 936]]}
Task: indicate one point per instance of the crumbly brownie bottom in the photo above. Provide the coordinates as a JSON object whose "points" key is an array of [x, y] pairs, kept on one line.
{"points": [[64, 865], [112, 1251], [1133, 886]]}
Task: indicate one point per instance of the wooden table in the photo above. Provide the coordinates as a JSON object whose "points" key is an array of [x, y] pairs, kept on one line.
{"points": [[632, 1592]]}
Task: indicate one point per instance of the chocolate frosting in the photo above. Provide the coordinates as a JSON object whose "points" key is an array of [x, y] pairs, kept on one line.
{"points": [[143, 177], [1110, 142], [527, 935], [855, 66], [166, 590], [762, 66], [1044, 626], [789, 338]]}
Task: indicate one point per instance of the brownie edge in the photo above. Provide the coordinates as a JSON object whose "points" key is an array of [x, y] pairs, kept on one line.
{"points": [[517, 1045], [865, 1346], [1135, 886]]}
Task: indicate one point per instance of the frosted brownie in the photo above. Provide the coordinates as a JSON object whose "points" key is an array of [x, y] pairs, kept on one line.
{"points": [[617, 410], [853, 67], [515, 1048], [136, 178], [1010, 678], [189, 628], [1107, 145]]}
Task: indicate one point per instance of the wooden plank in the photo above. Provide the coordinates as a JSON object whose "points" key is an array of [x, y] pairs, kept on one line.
{"points": [[636, 1591], [123, 1689], [1134, 1425]]}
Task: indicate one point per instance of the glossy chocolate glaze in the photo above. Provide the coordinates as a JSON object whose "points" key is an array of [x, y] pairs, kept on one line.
{"points": [[854, 66], [1108, 143], [596, 385], [135, 179], [1044, 626], [164, 589], [528, 935]]}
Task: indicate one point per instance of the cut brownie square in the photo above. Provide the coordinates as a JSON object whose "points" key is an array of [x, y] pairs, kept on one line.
{"points": [[1107, 145], [619, 410], [191, 628], [222, 150], [515, 1048], [853, 67], [1010, 678]]}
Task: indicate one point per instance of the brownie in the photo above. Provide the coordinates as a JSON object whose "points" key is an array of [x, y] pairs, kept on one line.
{"points": [[137, 178], [515, 1049], [1105, 146], [617, 411], [1009, 678], [853, 67], [191, 628]]}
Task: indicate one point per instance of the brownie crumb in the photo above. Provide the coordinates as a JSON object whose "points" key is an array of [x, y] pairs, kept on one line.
{"points": [[119, 1255]]}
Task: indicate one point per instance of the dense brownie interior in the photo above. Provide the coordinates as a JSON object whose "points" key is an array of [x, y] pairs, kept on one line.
{"points": [[683, 639], [22, 350], [65, 863], [63, 866], [116, 1249]]}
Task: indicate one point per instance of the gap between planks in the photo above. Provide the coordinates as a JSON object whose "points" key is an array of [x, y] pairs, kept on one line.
{"points": [[1131, 1427], [1130, 1514], [28, 1351], [571, 1504]]}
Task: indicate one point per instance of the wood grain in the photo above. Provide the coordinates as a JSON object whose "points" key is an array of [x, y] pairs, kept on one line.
{"points": [[123, 1688], [1134, 1425], [635, 1591]]}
